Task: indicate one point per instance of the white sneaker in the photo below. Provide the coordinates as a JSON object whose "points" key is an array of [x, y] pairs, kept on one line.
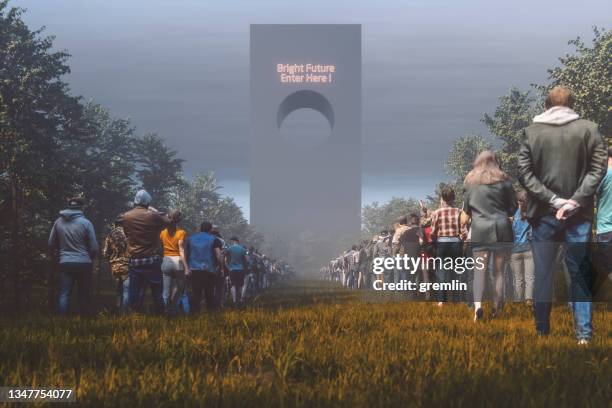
{"points": [[583, 342]]}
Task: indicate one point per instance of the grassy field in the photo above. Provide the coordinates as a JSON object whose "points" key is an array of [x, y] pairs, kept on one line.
{"points": [[312, 344]]}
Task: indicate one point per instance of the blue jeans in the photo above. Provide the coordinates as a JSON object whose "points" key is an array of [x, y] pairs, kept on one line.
{"points": [[69, 274], [123, 294], [575, 233], [140, 276], [184, 303]]}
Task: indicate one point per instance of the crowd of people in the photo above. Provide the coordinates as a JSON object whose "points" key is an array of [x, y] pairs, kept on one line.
{"points": [[147, 248], [564, 168]]}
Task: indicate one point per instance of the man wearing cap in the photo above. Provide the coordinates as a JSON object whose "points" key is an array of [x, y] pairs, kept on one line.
{"points": [[73, 242], [142, 226]]}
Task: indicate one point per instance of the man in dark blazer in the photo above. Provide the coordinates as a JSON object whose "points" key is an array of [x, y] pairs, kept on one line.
{"points": [[562, 160]]}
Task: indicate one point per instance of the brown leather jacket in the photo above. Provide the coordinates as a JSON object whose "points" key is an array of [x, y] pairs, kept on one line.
{"points": [[142, 227]]}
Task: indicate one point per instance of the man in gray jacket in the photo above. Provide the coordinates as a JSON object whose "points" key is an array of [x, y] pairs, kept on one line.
{"points": [[561, 163], [73, 243]]}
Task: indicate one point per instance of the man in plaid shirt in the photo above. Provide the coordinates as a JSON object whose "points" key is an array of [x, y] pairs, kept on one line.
{"points": [[116, 252], [447, 234], [445, 222]]}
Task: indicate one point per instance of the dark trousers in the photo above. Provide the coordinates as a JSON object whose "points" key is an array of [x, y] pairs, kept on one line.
{"points": [[203, 281], [447, 250], [69, 274], [140, 277], [603, 268], [220, 290]]}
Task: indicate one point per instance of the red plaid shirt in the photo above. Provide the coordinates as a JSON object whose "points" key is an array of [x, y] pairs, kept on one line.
{"points": [[445, 222]]}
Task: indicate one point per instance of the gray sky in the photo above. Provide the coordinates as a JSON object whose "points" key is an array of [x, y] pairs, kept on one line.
{"points": [[431, 68]]}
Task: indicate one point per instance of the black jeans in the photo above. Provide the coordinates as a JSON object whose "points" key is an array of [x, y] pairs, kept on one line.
{"points": [[448, 250], [203, 281]]}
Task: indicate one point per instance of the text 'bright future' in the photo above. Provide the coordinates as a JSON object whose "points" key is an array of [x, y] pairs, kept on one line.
{"points": [[305, 73]]}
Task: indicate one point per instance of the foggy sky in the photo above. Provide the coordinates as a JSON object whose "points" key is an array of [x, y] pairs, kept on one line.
{"points": [[430, 70]]}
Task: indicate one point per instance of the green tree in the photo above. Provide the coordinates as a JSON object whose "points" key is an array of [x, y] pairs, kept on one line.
{"points": [[513, 113], [462, 154], [588, 73], [159, 170], [106, 166], [196, 199], [199, 199], [39, 120], [376, 217]]}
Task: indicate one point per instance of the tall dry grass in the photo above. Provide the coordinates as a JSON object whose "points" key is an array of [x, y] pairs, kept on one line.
{"points": [[312, 344]]}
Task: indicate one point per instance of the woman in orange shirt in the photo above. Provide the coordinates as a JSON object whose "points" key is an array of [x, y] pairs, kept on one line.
{"points": [[174, 264]]}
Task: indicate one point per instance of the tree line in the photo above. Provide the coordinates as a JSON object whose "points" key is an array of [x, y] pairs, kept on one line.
{"points": [[55, 145], [587, 71]]}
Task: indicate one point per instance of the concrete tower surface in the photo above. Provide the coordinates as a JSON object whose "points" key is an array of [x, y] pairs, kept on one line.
{"points": [[314, 189]]}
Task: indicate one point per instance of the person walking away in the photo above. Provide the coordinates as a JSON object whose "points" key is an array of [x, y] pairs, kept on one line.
{"points": [[222, 286], [73, 244], [521, 258], [203, 254], [248, 290], [364, 261], [265, 262], [116, 253], [237, 263], [427, 246], [604, 232], [407, 240], [383, 250], [174, 263], [142, 226], [351, 261], [370, 277], [446, 232], [561, 162], [400, 226], [489, 200]]}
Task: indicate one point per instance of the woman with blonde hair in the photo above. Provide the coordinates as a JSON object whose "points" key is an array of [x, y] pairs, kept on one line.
{"points": [[490, 201]]}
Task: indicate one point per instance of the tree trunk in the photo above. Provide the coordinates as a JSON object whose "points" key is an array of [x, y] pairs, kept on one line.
{"points": [[15, 256]]}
